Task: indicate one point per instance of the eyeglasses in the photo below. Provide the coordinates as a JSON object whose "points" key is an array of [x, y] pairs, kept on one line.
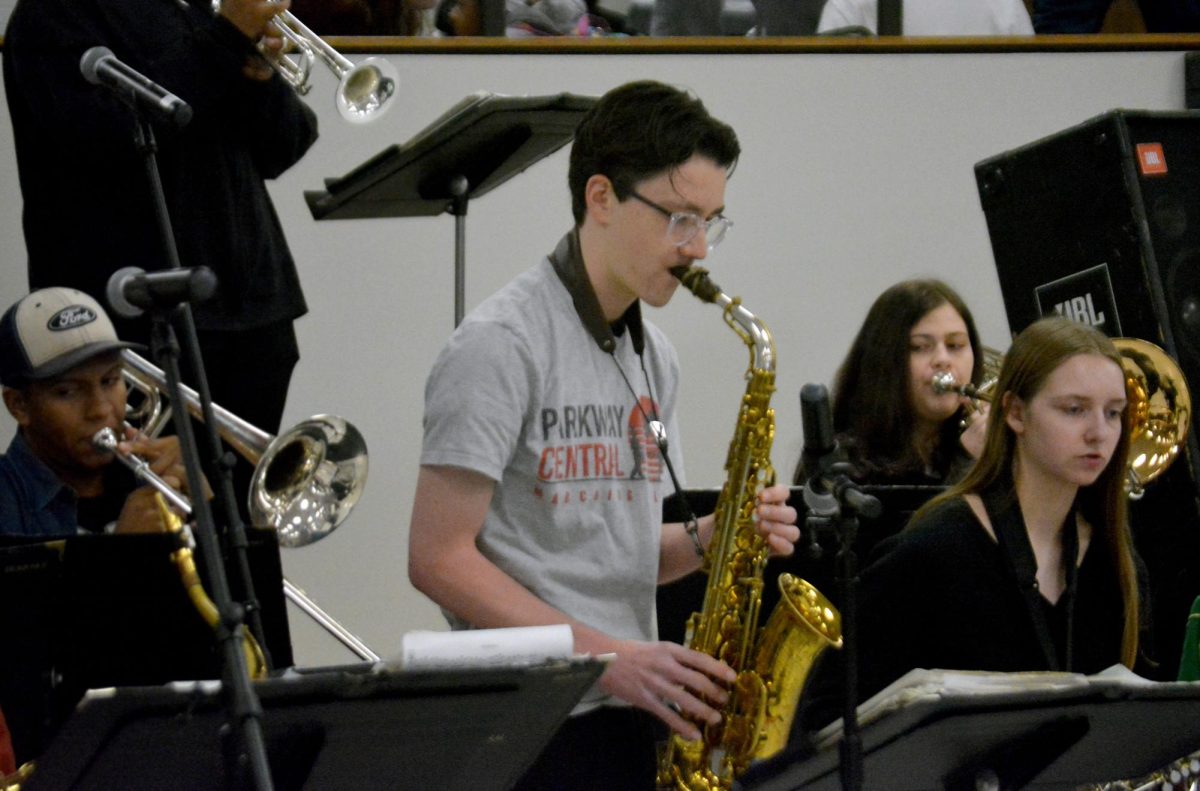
{"points": [[684, 225]]}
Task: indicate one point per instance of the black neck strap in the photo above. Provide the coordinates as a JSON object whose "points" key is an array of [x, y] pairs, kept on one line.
{"points": [[1004, 510], [567, 260]]}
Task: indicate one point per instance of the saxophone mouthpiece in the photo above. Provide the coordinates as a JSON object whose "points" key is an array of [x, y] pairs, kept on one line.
{"points": [[695, 279]]}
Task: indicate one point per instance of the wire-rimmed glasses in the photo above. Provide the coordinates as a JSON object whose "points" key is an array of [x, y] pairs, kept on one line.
{"points": [[682, 226]]}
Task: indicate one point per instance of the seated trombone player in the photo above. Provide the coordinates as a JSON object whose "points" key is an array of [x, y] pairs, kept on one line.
{"points": [[60, 373]]}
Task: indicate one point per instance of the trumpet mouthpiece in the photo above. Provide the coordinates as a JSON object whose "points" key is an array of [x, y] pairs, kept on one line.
{"points": [[944, 382], [105, 439]]}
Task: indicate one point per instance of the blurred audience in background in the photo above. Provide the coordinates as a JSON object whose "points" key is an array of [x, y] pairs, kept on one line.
{"points": [[1087, 16], [524, 18], [933, 17], [366, 17]]}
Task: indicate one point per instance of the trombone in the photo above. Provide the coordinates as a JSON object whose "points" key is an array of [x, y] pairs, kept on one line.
{"points": [[305, 483], [363, 91], [1160, 406]]}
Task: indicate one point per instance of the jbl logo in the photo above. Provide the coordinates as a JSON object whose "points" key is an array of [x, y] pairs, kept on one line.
{"points": [[1080, 309]]}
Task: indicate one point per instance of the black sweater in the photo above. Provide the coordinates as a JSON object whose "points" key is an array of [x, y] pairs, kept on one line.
{"points": [[940, 595], [88, 209]]}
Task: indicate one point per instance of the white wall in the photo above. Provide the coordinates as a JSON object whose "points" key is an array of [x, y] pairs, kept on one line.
{"points": [[856, 173]]}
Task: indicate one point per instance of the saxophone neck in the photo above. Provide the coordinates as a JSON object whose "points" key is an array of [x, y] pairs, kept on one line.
{"points": [[753, 331]]}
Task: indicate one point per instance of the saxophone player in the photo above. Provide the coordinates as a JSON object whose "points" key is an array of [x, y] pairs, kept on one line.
{"points": [[551, 436]]}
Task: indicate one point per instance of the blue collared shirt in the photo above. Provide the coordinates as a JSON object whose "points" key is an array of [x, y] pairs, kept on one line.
{"points": [[33, 501]]}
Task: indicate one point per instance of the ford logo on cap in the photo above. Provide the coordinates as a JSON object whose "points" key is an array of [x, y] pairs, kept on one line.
{"points": [[70, 317]]}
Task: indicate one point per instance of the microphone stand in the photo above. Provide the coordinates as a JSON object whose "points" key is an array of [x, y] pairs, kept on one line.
{"points": [[247, 753], [834, 504]]}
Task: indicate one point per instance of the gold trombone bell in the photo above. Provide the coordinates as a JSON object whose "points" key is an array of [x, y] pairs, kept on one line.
{"points": [[1160, 407], [1160, 410]]}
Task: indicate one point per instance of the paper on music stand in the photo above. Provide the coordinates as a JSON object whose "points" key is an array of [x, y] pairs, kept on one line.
{"points": [[919, 685], [514, 647]]}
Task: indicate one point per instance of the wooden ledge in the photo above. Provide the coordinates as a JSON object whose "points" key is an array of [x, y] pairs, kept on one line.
{"points": [[737, 45]]}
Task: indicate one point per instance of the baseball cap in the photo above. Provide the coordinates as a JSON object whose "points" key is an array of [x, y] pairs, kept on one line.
{"points": [[49, 332]]}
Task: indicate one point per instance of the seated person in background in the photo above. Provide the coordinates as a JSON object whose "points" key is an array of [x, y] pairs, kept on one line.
{"points": [[686, 18], [895, 428], [363, 17], [60, 369], [1087, 16], [1027, 564], [547, 18], [934, 17], [523, 18]]}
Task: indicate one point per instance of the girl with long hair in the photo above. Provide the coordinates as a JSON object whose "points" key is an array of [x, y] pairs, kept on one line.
{"points": [[1026, 563], [895, 427]]}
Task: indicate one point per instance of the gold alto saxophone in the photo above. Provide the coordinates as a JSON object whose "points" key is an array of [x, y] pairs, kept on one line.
{"points": [[773, 662]]}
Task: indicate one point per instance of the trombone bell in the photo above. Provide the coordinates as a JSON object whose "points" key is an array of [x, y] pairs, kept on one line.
{"points": [[1160, 407], [308, 480]]}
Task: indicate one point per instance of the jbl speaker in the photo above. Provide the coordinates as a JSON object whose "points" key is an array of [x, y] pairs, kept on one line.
{"points": [[1101, 223]]}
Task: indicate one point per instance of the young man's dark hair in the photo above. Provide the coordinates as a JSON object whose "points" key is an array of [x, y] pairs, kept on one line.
{"points": [[640, 130]]}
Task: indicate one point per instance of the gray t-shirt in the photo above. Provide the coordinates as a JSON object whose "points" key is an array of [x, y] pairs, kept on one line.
{"points": [[524, 395]]}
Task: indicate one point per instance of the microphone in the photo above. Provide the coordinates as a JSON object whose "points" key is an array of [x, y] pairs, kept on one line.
{"points": [[828, 488], [100, 67], [816, 418], [133, 290]]}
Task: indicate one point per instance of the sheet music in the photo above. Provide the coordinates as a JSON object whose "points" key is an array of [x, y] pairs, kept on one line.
{"points": [[514, 647], [921, 685]]}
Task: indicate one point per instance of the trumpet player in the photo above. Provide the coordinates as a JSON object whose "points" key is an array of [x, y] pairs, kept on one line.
{"points": [[895, 425], [60, 369], [88, 205]]}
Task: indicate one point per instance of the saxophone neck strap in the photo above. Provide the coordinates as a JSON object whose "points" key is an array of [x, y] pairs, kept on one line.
{"points": [[1004, 511], [567, 260]]}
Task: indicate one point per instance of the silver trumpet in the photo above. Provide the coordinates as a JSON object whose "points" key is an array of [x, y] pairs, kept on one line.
{"points": [[363, 91], [944, 382], [305, 483], [1160, 404]]}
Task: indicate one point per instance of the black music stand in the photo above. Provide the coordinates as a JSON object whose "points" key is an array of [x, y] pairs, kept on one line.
{"points": [[99, 611], [474, 147], [1037, 739], [356, 730]]}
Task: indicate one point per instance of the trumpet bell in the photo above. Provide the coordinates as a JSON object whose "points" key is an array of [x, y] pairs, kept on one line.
{"points": [[308, 480], [365, 90], [1160, 411]]}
